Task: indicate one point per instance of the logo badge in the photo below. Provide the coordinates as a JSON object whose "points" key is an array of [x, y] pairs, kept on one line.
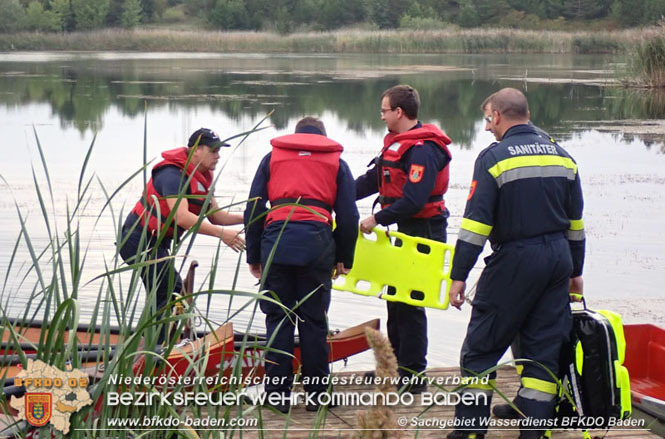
{"points": [[472, 190], [416, 173], [38, 408]]}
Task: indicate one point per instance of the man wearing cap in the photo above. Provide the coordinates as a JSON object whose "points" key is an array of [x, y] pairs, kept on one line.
{"points": [[305, 180], [182, 181]]}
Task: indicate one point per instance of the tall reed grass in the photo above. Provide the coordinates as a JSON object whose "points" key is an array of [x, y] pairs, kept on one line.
{"points": [[648, 63], [451, 40]]}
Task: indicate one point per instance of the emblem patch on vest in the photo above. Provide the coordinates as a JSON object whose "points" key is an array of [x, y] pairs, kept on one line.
{"points": [[395, 146], [416, 173]]}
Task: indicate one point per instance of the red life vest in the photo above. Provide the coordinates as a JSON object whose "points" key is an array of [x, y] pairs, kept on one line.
{"points": [[393, 173], [303, 169], [199, 185]]}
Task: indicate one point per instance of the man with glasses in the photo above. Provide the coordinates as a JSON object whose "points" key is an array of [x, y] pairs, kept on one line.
{"points": [[411, 176], [181, 181], [526, 198]]}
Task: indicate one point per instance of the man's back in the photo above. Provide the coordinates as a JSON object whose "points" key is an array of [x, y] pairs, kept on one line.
{"points": [[533, 180]]}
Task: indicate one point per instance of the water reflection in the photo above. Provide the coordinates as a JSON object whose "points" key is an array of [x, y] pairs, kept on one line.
{"points": [[81, 90]]}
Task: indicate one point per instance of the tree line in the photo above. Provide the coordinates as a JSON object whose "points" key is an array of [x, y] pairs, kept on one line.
{"points": [[286, 16]]}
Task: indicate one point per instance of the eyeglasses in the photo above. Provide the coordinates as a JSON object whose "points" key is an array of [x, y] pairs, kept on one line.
{"points": [[385, 110]]}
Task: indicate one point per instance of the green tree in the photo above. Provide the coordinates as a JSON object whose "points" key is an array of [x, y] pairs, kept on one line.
{"points": [[230, 14], [148, 7], [467, 14], [131, 14], [90, 14], [628, 12], [12, 15], [39, 19], [585, 9], [387, 13], [63, 10], [654, 11], [308, 12], [338, 13], [489, 11]]}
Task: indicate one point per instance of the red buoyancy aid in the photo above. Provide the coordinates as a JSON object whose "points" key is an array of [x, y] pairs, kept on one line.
{"points": [[199, 185], [303, 169], [393, 174]]}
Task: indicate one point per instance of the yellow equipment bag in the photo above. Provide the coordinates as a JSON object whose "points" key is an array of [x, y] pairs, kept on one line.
{"points": [[400, 268]]}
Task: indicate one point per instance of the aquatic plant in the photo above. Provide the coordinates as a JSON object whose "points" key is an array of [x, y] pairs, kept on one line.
{"points": [[448, 40], [648, 63]]}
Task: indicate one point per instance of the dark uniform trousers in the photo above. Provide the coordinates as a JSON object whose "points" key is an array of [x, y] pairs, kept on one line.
{"points": [[161, 278], [407, 324], [292, 284], [522, 290]]}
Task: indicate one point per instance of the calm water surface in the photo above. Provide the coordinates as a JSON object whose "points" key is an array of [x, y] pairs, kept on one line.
{"points": [[68, 98]]}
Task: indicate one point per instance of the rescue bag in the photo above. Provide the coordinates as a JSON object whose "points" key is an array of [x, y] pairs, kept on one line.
{"points": [[592, 370]]}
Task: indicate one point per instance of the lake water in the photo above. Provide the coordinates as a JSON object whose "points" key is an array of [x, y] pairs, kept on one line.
{"points": [[68, 98]]}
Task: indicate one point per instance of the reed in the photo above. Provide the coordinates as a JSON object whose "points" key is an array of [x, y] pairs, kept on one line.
{"points": [[648, 64], [448, 40]]}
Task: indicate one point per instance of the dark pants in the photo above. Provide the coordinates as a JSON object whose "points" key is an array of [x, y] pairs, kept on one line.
{"points": [[522, 290], [292, 284], [160, 279], [407, 324]]}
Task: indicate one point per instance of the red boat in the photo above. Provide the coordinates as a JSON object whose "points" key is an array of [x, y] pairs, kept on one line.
{"points": [[645, 360], [225, 349]]}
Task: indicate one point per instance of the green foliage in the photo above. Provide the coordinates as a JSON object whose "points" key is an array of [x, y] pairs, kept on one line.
{"points": [[174, 14], [38, 19], [90, 14], [230, 15], [287, 16], [467, 14], [596, 44], [628, 12], [648, 63], [386, 13], [422, 23], [63, 10], [12, 15], [131, 14], [338, 13], [654, 11]]}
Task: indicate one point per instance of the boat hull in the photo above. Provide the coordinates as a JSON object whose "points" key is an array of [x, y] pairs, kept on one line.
{"points": [[645, 360]]}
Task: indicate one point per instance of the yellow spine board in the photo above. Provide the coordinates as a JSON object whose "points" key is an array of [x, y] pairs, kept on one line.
{"points": [[418, 270]]}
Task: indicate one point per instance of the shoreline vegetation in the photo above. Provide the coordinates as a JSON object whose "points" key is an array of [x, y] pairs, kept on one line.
{"points": [[453, 40]]}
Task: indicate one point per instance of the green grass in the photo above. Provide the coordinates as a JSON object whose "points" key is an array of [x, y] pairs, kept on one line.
{"points": [[451, 40]]}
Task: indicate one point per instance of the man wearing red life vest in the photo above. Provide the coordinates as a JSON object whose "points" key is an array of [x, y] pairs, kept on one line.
{"points": [[304, 168], [182, 172], [411, 176]]}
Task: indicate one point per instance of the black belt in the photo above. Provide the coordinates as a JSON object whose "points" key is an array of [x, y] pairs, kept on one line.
{"points": [[540, 239], [390, 200]]}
